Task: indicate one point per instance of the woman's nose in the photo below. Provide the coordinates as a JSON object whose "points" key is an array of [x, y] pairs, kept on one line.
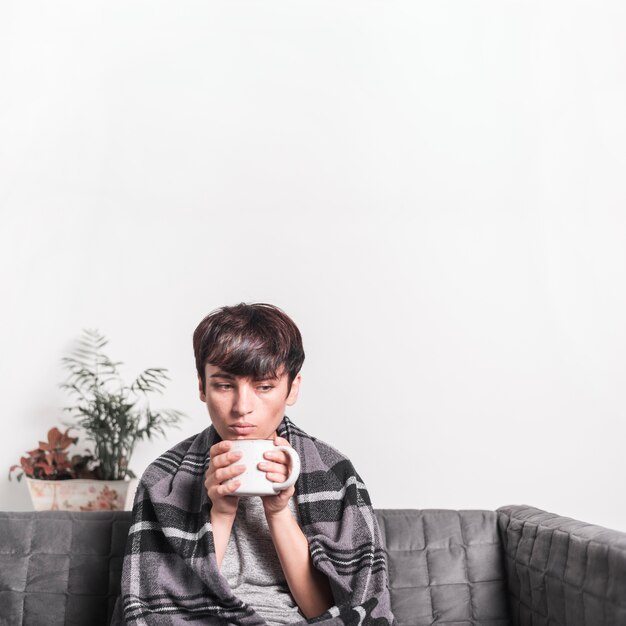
{"points": [[244, 401]]}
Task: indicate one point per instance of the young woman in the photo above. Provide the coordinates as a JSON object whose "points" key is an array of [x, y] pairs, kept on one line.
{"points": [[196, 553]]}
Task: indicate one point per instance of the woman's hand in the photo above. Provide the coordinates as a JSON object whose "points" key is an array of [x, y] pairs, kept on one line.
{"points": [[221, 468], [276, 468]]}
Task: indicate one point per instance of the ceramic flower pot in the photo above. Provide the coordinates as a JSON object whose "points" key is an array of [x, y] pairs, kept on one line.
{"points": [[80, 494]]}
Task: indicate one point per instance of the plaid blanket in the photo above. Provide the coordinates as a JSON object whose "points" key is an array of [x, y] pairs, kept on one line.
{"points": [[170, 574]]}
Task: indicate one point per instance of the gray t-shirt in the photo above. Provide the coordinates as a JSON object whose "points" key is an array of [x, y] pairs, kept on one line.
{"points": [[252, 568]]}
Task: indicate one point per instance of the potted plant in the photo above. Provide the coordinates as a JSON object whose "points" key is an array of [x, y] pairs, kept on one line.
{"points": [[113, 417], [48, 465]]}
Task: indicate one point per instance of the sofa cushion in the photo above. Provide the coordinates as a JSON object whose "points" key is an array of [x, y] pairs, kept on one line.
{"points": [[445, 567], [58, 567]]}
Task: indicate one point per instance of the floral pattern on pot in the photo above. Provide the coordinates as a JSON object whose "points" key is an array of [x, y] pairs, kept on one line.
{"points": [[81, 494], [106, 500]]}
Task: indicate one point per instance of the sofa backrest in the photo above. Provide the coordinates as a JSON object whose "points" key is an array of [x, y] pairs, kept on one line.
{"points": [[454, 568], [445, 567], [58, 567]]}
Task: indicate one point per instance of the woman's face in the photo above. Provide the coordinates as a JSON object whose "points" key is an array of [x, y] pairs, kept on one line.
{"points": [[242, 408]]}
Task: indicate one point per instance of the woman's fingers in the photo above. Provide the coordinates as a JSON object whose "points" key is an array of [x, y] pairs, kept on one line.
{"points": [[276, 478], [277, 456], [220, 447], [275, 472], [229, 472], [226, 458], [277, 462], [228, 487], [279, 468]]}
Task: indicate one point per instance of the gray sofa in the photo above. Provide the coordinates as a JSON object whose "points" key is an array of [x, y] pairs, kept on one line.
{"points": [[514, 566]]}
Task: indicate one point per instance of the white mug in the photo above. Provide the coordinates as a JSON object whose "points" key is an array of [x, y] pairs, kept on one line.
{"points": [[254, 482]]}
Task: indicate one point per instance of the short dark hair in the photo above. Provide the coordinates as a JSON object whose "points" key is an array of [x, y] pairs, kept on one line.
{"points": [[257, 340]]}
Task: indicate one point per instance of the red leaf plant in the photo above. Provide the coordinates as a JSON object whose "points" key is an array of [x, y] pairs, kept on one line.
{"points": [[50, 461]]}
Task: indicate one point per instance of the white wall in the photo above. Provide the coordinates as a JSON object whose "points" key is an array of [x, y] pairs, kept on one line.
{"points": [[434, 191]]}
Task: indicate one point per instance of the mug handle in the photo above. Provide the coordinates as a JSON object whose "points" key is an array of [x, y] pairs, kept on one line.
{"points": [[295, 469]]}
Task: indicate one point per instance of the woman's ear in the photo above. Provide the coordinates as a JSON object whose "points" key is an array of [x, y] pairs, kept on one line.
{"points": [[295, 388], [201, 390]]}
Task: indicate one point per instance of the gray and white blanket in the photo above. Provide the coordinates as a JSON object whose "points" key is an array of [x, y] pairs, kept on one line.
{"points": [[170, 573]]}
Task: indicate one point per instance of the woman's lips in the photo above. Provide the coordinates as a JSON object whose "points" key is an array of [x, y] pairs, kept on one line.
{"points": [[242, 429]]}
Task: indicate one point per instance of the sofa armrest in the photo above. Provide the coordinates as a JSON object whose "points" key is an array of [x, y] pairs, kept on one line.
{"points": [[562, 572]]}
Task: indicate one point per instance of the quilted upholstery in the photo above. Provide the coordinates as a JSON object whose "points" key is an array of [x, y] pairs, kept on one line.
{"points": [[445, 567], [452, 568], [59, 568], [562, 572]]}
